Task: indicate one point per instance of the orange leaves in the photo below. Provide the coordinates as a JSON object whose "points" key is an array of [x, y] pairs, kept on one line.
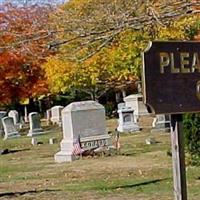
{"points": [[24, 36], [19, 79]]}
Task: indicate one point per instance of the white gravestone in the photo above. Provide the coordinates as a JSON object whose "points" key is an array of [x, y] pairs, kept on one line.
{"points": [[86, 120], [2, 115], [161, 123], [15, 115], [120, 105], [56, 115], [126, 122], [48, 116], [9, 128], [35, 127], [34, 141], [135, 101]]}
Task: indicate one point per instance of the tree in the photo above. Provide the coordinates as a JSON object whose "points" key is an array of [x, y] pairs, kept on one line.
{"points": [[95, 23], [87, 26], [111, 68], [99, 50], [192, 136], [21, 55]]}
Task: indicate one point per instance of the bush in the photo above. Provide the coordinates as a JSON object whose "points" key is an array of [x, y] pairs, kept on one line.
{"points": [[191, 125]]}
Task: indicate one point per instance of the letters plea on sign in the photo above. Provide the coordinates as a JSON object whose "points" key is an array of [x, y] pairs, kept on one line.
{"points": [[171, 77]]}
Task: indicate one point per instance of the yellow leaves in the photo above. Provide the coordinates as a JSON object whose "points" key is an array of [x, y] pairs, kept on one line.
{"points": [[24, 101], [177, 30], [172, 33], [58, 73], [120, 62]]}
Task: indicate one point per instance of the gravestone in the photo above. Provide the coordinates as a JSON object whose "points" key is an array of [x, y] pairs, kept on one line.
{"points": [[52, 140], [120, 105], [48, 116], [150, 141], [161, 123], [85, 119], [9, 128], [34, 141], [15, 115], [126, 122], [56, 115], [35, 127], [2, 115], [135, 101]]}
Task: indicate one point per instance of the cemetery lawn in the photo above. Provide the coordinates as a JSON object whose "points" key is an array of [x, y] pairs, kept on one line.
{"points": [[137, 172]]}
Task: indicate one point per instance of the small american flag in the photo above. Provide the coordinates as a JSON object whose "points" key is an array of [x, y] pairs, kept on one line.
{"points": [[77, 150]]}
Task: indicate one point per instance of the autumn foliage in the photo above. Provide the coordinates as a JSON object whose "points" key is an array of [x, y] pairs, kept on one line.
{"points": [[87, 45], [20, 55]]}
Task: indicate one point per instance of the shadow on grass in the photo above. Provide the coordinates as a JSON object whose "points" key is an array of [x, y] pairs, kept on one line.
{"points": [[139, 184], [128, 154], [7, 151], [26, 192]]}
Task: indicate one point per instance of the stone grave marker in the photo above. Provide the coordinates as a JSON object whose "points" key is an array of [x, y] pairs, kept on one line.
{"points": [[120, 105], [34, 141], [85, 119], [48, 116], [126, 122], [15, 115], [9, 128], [2, 115], [52, 140], [56, 115], [35, 127], [161, 123], [135, 101], [150, 141]]}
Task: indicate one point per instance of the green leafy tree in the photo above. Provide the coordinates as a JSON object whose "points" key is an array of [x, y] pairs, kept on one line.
{"points": [[110, 68], [192, 136]]}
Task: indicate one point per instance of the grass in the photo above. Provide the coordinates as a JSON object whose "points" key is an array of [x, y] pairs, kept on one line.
{"points": [[139, 172]]}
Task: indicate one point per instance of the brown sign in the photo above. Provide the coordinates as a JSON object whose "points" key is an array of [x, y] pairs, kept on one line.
{"points": [[171, 77]]}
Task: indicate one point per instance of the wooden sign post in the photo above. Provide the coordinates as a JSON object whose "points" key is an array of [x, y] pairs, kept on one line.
{"points": [[178, 157], [171, 85]]}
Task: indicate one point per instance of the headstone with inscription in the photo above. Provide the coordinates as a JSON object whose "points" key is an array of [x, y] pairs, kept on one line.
{"points": [[9, 128], [85, 119], [2, 115], [126, 122], [56, 115], [35, 127]]}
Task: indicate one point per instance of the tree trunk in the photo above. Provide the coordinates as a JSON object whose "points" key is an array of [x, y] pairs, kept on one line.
{"points": [[117, 97], [93, 96]]}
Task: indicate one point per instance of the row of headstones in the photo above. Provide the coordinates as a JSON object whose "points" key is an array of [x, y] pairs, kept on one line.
{"points": [[128, 123], [130, 111], [85, 120], [10, 124], [12, 116], [9, 129]]}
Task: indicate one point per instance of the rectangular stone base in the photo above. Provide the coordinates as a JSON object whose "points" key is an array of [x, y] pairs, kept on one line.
{"points": [[13, 135], [166, 130], [63, 156], [32, 133], [128, 128]]}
